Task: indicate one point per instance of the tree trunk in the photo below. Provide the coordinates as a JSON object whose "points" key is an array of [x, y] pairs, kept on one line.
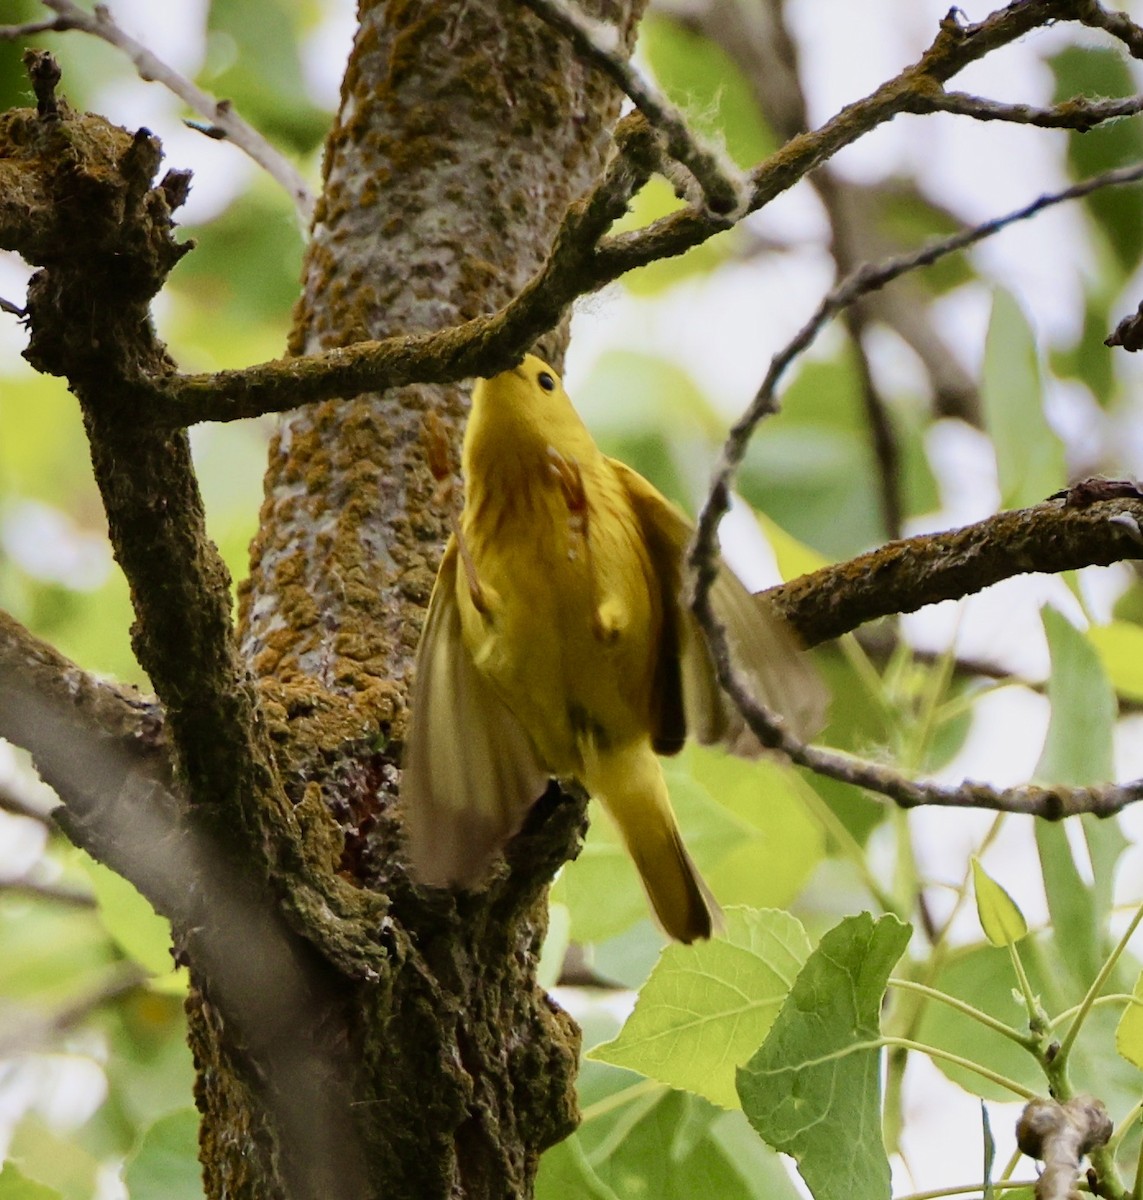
{"points": [[465, 130]]}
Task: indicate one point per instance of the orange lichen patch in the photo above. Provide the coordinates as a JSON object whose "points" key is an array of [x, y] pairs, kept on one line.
{"points": [[322, 838], [324, 720]]}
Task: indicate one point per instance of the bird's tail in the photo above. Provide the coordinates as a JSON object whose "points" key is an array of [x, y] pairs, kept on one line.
{"points": [[629, 783]]}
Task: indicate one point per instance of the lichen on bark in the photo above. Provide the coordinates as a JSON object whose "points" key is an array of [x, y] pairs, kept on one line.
{"points": [[465, 131]]}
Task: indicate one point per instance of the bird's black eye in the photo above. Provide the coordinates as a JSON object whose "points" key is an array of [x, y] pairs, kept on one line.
{"points": [[546, 381]]}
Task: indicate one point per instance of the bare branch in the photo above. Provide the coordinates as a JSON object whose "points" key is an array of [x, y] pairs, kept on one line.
{"points": [[481, 346], [581, 262], [220, 113], [905, 575], [19, 806], [266, 980], [865, 279], [1051, 803], [954, 48], [485, 344], [1118, 24], [15, 33], [1078, 113], [24, 1034], [48, 891], [1059, 1136], [722, 185], [1123, 525]]}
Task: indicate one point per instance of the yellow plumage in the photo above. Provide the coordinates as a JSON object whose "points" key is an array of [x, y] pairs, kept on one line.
{"points": [[555, 645]]}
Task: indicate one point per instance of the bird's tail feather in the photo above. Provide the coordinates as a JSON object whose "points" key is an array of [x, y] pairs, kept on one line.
{"points": [[630, 785]]}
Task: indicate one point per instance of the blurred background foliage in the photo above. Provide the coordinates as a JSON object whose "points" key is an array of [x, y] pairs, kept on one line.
{"points": [[990, 384]]}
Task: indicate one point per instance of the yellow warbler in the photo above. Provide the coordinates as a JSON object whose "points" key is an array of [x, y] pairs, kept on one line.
{"points": [[556, 646]]}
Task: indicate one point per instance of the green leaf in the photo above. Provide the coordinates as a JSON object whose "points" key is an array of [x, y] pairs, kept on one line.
{"points": [[130, 920], [50, 953], [1029, 455], [989, 1152], [1129, 1031], [777, 844], [1088, 360], [1120, 649], [707, 1007], [254, 59], [1078, 748], [1070, 902], [14, 1186], [165, 1166], [1000, 917], [813, 1089], [906, 217], [261, 227], [654, 417], [701, 78], [565, 1172], [150, 1070], [56, 1158], [1102, 71], [671, 1146], [654, 200], [793, 556], [601, 888], [812, 468]]}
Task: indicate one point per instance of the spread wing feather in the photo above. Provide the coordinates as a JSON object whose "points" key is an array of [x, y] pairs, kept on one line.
{"points": [[470, 771], [762, 644]]}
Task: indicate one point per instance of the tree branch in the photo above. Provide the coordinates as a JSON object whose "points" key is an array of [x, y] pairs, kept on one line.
{"points": [[87, 186], [867, 278], [582, 259], [1051, 803], [151, 68], [480, 346], [104, 753], [722, 186], [1078, 113], [1118, 24], [908, 574], [954, 48]]}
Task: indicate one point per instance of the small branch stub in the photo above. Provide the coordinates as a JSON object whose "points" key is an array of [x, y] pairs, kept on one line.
{"points": [[44, 72], [1059, 1135]]}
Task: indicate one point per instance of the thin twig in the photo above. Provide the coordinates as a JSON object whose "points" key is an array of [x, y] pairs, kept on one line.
{"points": [[15, 33], [1118, 24], [1078, 113], [220, 113], [723, 187], [48, 891], [18, 806], [1051, 803], [867, 278], [24, 1037]]}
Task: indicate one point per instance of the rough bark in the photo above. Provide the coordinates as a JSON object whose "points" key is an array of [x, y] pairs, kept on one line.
{"points": [[465, 131]]}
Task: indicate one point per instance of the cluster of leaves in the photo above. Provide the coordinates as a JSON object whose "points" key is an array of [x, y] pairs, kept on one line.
{"points": [[791, 1033], [772, 1036]]}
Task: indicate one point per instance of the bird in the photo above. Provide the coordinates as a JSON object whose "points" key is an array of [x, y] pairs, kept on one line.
{"points": [[556, 645]]}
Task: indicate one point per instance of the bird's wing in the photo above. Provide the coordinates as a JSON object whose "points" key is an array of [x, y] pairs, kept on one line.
{"points": [[763, 646], [470, 772]]}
